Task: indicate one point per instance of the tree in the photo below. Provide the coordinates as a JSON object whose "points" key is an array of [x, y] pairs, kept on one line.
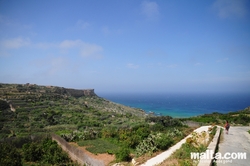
{"points": [[4, 105], [9, 155]]}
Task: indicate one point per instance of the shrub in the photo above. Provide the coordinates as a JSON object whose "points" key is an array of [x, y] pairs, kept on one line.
{"points": [[9, 155], [163, 142], [166, 121], [32, 152], [123, 154], [148, 145], [4, 105], [132, 141], [46, 152]]}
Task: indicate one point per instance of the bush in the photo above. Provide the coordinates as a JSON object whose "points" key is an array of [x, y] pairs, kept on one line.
{"points": [[163, 142], [32, 152], [9, 155], [132, 141], [4, 105], [166, 121], [123, 155], [46, 152], [148, 145]]}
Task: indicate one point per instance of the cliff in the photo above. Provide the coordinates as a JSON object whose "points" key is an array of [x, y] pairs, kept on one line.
{"points": [[75, 92]]}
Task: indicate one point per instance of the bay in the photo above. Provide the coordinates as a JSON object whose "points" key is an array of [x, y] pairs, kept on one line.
{"points": [[182, 105]]}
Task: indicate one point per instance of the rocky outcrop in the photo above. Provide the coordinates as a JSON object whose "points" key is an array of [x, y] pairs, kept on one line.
{"points": [[80, 93], [75, 92]]}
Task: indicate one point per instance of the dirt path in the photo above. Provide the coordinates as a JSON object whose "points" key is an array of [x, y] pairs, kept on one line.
{"points": [[237, 141]]}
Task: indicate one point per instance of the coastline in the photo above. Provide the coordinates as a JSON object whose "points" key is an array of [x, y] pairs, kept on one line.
{"points": [[183, 106]]}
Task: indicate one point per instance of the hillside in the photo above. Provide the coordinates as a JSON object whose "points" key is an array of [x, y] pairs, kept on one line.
{"points": [[29, 111], [89, 121], [236, 118], [30, 108]]}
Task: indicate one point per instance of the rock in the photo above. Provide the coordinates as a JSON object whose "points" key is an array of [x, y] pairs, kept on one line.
{"points": [[75, 92], [134, 162], [118, 164]]}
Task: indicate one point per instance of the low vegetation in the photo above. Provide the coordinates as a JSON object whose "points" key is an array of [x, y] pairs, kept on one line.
{"points": [[197, 143], [100, 125], [28, 111], [39, 151], [241, 117]]}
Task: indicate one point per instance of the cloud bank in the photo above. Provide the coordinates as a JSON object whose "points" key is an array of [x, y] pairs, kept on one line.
{"points": [[84, 49]]}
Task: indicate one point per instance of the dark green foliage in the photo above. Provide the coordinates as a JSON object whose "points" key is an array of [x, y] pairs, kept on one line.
{"points": [[32, 152], [239, 117], [166, 121], [9, 155], [242, 119], [99, 146], [39, 151], [157, 127], [109, 132], [3, 105], [46, 152], [17, 142], [123, 154], [164, 142], [132, 141], [130, 137]]}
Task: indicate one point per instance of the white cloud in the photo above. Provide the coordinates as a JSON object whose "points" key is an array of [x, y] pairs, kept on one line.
{"points": [[85, 49], [230, 8], [150, 9], [132, 66], [67, 46], [15, 43], [91, 50]]}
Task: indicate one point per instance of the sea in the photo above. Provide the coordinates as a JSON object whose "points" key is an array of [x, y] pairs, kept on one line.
{"points": [[182, 105]]}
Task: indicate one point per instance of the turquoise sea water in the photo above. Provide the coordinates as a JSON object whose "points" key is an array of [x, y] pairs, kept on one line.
{"points": [[183, 105]]}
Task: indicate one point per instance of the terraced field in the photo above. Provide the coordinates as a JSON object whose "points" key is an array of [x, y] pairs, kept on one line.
{"points": [[39, 109]]}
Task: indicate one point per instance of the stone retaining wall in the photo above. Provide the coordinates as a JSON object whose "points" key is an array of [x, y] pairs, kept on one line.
{"points": [[76, 154]]}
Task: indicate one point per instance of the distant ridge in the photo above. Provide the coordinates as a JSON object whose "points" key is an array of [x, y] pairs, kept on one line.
{"points": [[75, 92], [29, 88]]}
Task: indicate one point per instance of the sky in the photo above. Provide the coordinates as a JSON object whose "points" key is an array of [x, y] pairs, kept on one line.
{"points": [[127, 46]]}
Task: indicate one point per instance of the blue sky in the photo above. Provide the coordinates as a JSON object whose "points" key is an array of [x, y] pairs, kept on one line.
{"points": [[127, 45]]}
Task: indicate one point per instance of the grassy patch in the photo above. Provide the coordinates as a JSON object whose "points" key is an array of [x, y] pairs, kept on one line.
{"points": [[99, 146], [182, 155]]}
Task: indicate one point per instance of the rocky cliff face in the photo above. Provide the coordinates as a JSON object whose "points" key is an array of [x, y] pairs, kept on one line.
{"points": [[75, 92], [80, 93]]}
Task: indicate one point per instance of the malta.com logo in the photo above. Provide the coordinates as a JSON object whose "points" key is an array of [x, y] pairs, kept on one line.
{"points": [[218, 157]]}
